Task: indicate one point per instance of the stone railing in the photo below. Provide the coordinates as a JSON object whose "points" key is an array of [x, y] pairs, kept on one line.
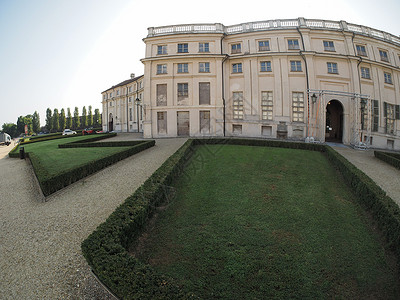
{"points": [[271, 25]]}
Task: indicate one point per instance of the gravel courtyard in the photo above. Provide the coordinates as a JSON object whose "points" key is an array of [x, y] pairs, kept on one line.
{"points": [[40, 255]]}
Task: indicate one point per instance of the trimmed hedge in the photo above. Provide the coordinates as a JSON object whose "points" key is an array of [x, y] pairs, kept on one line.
{"points": [[106, 248], [51, 184], [388, 157], [102, 144]]}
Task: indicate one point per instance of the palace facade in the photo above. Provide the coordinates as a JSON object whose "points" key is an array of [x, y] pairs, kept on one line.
{"points": [[122, 106], [297, 79]]}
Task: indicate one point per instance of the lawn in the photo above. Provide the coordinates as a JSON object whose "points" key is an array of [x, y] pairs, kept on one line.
{"points": [[56, 160], [267, 223]]}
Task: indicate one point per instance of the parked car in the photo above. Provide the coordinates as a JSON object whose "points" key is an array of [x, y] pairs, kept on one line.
{"points": [[88, 131], [68, 132]]}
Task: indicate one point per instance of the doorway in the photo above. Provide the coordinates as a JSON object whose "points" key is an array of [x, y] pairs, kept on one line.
{"points": [[183, 123], [334, 122], [110, 123]]}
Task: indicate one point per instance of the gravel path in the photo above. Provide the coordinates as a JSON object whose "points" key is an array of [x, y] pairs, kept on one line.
{"points": [[40, 255], [385, 175]]}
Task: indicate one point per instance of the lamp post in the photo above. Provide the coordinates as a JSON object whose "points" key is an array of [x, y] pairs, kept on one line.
{"points": [[137, 112], [314, 98]]}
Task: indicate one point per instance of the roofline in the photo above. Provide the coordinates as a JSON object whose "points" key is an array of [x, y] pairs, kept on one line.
{"points": [[123, 83]]}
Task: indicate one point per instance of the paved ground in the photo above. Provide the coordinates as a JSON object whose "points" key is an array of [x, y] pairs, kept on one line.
{"points": [[386, 176], [40, 255]]}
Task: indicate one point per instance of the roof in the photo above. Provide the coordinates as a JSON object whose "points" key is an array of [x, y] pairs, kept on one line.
{"points": [[126, 82]]}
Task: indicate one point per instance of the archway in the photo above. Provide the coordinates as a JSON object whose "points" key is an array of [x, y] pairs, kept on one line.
{"points": [[334, 122], [110, 123]]}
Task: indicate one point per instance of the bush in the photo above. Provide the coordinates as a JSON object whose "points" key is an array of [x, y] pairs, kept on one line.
{"points": [[388, 157], [106, 248]]}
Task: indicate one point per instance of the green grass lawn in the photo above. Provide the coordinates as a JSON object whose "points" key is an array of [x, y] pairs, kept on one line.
{"points": [[268, 223], [56, 160]]}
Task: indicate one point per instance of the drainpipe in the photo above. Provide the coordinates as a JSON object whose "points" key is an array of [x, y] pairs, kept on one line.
{"points": [[223, 86], [307, 80], [127, 113]]}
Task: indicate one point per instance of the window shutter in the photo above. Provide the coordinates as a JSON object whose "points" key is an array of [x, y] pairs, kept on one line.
{"points": [[397, 112]]}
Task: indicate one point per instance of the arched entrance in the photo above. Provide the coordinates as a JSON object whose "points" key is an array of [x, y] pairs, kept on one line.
{"points": [[334, 122], [110, 123]]}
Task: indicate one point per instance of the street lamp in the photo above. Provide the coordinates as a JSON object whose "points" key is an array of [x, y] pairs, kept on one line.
{"points": [[314, 98]]}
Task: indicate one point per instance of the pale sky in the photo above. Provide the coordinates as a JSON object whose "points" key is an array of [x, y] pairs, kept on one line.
{"points": [[64, 53]]}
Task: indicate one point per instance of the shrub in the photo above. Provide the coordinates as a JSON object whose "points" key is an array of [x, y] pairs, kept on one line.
{"points": [[106, 248], [388, 157]]}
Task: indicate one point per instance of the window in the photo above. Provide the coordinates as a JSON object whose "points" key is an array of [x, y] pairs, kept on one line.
{"points": [[204, 67], [295, 65], [365, 73], [161, 49], [298, 106], [391, 113], [237, 68], [204, 93], [388, 78], [161, 91], [238, 105], [104, 97], [130, 89], [266, 105], [236, 48], [130, 114], [183, 68], [332, 68], [204, 121], [265, 66], [361, 50], [183, 48], [183, 91], [162, 122], [130, 99], [329, 46], [293, 44], [263, 46], [204, 47], [117, 92], [161, 69], [375, 115], [384, 55]]}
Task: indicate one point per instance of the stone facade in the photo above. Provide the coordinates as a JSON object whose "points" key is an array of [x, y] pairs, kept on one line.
{"points": [[292, 79], [122, 106]]}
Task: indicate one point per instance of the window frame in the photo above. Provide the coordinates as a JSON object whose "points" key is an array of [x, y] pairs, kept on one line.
{"points": [[384, 55], [183, 68], [267, 67], [267, 105], [236, 48], [388, 77], [361, 52], [365, 73], [295, 66], [329, 46], [160, 70], [293, 44], [298, 109], [204, 67], [183, 48], [183, 90], [332, 68], [204, 47], [163, 49], [237, 68], [237, 105], [265, 47]]}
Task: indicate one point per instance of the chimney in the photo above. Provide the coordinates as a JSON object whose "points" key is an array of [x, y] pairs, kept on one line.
{"points": [[132, 75]]}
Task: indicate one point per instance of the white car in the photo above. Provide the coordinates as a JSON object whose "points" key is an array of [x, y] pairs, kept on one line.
{"points": [[68, 132]]}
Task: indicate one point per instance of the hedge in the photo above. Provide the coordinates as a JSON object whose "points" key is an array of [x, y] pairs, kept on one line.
{"points": [[102, 144], [106, 248], [388, 157], [51, 184]]}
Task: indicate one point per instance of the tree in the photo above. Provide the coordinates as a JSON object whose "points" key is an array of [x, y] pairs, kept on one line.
{"points": [[20, 125], [10, 128], [56, 120], [28, 121], [76, 123], [49, 123], [84, 117], [62, 119], [90, 117], [69, 118], [35, 122], [97, 118]]}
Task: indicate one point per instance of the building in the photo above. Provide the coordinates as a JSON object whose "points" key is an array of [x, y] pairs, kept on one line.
{"points": [[296, 79], [122, 106]]}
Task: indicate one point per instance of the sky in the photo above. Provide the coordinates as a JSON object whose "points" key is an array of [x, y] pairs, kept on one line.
{"points": [[64, 53]]}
